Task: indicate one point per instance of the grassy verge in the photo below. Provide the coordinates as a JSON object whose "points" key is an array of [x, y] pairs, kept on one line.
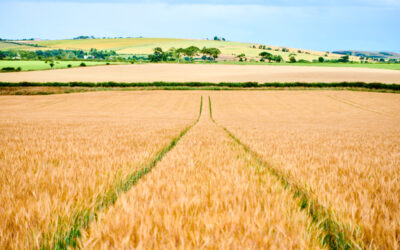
{"points": [[389, 66], [336, 235], [67, 235], [33, 65]]}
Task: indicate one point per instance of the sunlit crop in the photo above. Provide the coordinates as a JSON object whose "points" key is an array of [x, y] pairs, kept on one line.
{"points": [[59, 153], [344, 147], [249, 170]]}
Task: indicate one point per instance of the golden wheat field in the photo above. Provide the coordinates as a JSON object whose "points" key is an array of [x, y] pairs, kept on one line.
{"points": [[204, 194], [59, 153], [342, 146], [229, 170]]}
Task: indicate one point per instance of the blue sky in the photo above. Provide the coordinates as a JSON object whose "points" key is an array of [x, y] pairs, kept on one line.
{"points": [[310, 24]]}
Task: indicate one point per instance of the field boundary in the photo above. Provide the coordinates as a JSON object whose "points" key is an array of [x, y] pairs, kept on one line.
{"points": [[65, 238], [49, 88], [233, 85], [335, 235]]}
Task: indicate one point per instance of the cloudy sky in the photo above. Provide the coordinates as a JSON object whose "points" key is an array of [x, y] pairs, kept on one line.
{"points": [[311, 24]]}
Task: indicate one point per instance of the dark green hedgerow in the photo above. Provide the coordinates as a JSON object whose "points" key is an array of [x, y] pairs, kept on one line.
{"points": [[67, 236], [382, 86]]}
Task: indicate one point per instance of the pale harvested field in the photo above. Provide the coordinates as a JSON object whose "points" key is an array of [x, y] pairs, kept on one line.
{"points": [[342, 146], [205, 73], [58, 153], [205, 194]]}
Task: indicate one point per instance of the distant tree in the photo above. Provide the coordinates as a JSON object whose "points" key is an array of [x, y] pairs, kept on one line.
{"points": [[292, 59], [285, 50], [216, 38], [82, 64], [266, 56], [158, 50], [277, 58], [51, 64], [270, 57], [191, 52], [133, 60], [321, 59], [158, 55], [241, 57], [179, 52], [214, 52], [344, 59], [205, 51], [172, 51], [69, 65], [81, 37], [8, 69]]}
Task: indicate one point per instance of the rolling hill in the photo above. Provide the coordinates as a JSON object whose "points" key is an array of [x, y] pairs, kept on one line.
{"points": [[371, 54], [140, 46]]}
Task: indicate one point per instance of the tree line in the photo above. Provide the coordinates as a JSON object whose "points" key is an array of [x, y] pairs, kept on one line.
{"points": [[188, 54], [173, 54]]}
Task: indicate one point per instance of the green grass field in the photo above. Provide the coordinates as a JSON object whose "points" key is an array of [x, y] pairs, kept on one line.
{"points": [[391, 66], [41, 65]]}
